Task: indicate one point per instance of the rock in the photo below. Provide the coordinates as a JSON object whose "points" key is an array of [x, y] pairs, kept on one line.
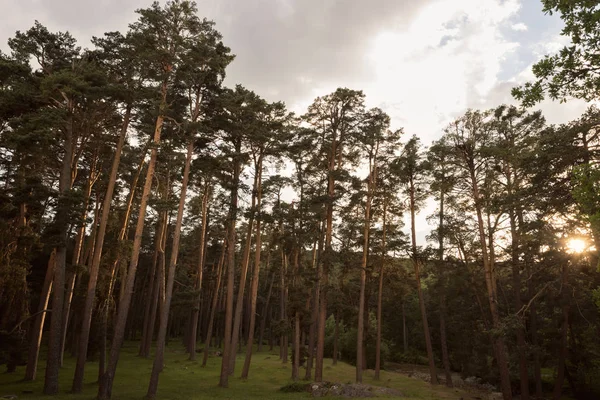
{"points": [[9, 397]]}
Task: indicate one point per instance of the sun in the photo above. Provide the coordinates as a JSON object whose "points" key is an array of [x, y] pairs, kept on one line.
{"points": [[576, 245]]}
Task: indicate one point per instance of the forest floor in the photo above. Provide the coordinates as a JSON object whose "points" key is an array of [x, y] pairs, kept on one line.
{"points": [[184, 379]]}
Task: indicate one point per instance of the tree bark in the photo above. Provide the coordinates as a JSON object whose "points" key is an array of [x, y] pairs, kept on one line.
{"points": [[62, 225], [363, 269], [380, 291], [490, 279], [312, 333], [239, 304], [562, 352], [199, 272], [416, 262], [255, 275], [267, 305], [95, 265], [162, 329], [233, 210], [105, 388], [518, 303], [38, 323], [404, 330], [336, 338], [214, 307]]}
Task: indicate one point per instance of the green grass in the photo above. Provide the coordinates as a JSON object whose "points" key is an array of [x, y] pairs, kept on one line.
{"points": [[184, 379]]}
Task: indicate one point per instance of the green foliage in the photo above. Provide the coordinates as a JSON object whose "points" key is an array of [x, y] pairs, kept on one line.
{"points": [[295, 387], [574, 71]]}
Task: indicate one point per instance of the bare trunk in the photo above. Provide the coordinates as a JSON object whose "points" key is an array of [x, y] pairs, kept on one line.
{"points": [[336, 338], [444, 281], [404, 330], [105, 388], [416, 265], [38, 323], [533, 324], [196, 311], [233, 210], [312, 333], [239, 304], [327, 258], [266, 309], [490, 279], [518, 303], [214, 307], [162, 329], [282, 310], [444, 342], [152, 291], [95, 265], [562, 351], [363, 278], [77, 255], [380, 292], [62, 225], [255, 276], [296, 363]]}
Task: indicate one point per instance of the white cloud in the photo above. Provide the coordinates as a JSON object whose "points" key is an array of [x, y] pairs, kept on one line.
{"points": [[519, 27], [447, 60]]}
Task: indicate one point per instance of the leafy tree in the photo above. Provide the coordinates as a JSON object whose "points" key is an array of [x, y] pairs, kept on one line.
{"points": [[575, 70]]}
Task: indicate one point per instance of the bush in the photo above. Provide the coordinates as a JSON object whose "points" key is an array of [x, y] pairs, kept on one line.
{"points": [[412, 356], [348, 349], [294, 387]]}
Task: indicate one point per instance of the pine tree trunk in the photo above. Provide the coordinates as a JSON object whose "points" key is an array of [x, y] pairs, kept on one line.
{"points": [[198, 284], [214, 307], [77, 256], [95, 265], [38, 323], [363, 270], [152, 292], [380, 292], [267, 305], [312, 333], [162, 329], [516, 271], [416, 262], [336, 338], [533, 323], [404, 331], [296, 363], [444, 342], [105, 388], [282, 311], [327, 261], [233, 210], [562, 349], [62, 225], [255, 275], [490, 279], [239, 304], [444, 280]]}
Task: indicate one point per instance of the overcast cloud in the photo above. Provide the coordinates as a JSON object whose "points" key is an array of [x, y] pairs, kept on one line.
{"points": [[424, 62]]}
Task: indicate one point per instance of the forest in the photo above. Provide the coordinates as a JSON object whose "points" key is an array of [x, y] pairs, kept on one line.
{"points": [[142, 201]]}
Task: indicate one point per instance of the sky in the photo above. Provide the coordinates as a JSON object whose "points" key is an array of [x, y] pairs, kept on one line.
{"points": [[423, 62]]}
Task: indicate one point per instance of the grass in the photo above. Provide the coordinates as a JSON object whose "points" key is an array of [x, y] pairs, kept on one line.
{"points": [[184, 379]]}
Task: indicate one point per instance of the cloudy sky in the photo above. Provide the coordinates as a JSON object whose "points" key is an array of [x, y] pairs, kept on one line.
{"points": [[424, 62]]}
